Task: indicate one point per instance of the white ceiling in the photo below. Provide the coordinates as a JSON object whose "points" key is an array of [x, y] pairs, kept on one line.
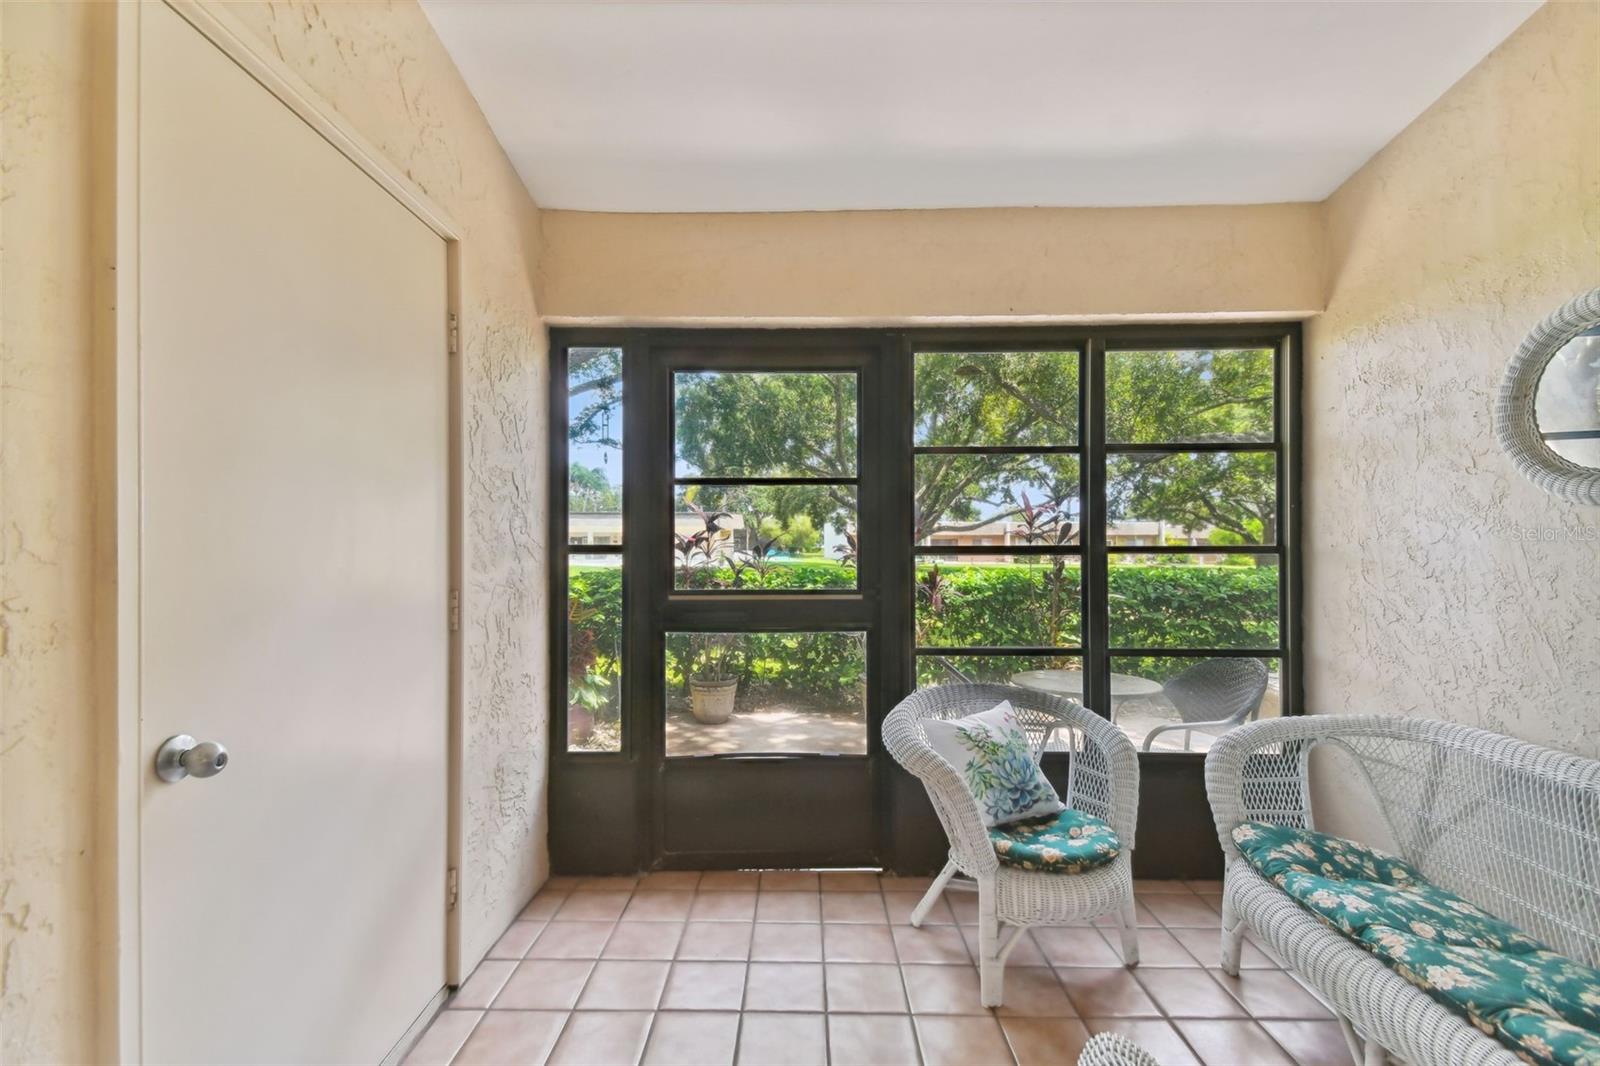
{"points": [[791, 106]]}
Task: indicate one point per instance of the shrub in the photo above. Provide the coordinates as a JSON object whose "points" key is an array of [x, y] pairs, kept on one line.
{"points": [[978, 604]]}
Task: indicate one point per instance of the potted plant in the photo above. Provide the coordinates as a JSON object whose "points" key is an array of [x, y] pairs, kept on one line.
{"points": [[713, 679]]}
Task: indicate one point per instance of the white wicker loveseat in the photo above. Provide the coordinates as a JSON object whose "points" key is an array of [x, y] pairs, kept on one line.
{"points": [[1103, 781], [1511, 827]]}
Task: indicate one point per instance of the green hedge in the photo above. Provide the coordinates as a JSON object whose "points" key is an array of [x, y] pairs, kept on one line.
{"points": [[815, 573], [981, 604], [1149, 607]]}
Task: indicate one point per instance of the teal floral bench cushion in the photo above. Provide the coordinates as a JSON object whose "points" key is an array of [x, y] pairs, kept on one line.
{"points": [[1278, 849], [1542, 1005], [1066, 843], [1538, 1003]]}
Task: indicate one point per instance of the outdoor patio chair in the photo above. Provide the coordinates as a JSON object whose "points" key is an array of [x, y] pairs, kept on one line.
{"points": [[953, 671], [1214, 694], [1103, 781]]}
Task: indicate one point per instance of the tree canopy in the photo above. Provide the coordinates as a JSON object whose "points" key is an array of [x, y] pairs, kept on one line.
{"points": [[806, 425]]}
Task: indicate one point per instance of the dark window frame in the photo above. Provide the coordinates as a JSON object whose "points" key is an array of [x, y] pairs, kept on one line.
{"points": [[891, 441], [979, 346]]}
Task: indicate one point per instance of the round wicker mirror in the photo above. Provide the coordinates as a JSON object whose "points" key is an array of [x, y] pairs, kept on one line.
{"points": [[1547, 416]]}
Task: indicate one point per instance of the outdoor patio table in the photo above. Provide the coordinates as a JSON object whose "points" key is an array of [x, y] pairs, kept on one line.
{"points": [[1070, 683]]}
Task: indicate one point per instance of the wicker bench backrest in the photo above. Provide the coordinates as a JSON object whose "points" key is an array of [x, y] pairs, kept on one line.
{"points": [[1511, 826]]}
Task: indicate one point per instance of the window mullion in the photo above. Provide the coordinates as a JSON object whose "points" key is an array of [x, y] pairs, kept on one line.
{"points": [[1096, 662]]}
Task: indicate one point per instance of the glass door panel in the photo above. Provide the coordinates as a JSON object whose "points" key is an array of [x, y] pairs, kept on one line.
{"points": [[782, 693]]}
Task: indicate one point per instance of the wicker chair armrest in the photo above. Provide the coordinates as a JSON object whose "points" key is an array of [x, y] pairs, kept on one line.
{"points": [[1257, 772], [1111, 746], [952, 800]]}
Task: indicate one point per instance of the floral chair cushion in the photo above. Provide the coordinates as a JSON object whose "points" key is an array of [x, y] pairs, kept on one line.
{"points": [[1544, 1006], [993, 755], [1277, 849], [1067, 843]]}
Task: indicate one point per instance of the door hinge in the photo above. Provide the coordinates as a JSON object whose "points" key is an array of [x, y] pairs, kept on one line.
{"points": [[455, 334], [455, 610], [452, 888]]}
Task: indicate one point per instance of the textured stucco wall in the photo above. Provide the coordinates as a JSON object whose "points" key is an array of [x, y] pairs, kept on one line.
{"points": [[50, 750], [895, 266], [1430, 587], [380, 65]]}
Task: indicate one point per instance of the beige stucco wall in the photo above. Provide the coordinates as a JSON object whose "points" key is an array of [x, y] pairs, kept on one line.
{"points": [[898, 266], [1430, 587], [383, 69], [51, 756]]}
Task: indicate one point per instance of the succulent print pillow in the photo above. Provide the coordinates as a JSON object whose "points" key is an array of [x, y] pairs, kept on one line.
{"points": [[992, 754]]}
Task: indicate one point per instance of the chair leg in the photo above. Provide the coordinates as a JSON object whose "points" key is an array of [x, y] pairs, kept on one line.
{"points": [[1232, 936], [1354, 1041], [1128, 926], [935, 890], [991, 967]]}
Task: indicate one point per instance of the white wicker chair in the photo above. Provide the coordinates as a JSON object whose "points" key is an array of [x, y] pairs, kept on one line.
{"points": [[1103, 781], [1510, 826]]}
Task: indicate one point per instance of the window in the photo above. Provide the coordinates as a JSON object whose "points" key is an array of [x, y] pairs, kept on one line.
{"points": [[1157, 596], [814, 522], [764, 487], [1196, 616], [594, 594], [996, 514], [795, 692], [1100, 513]]}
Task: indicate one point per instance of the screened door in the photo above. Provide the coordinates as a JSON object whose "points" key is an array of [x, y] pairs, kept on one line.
{"points": [[764, 599], [729, 715]]}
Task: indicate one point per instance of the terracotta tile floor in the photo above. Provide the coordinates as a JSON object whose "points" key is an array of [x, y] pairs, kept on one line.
{"points": [[800, 967]]}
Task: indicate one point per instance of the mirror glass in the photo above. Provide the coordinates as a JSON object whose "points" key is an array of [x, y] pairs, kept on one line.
{"points": [[1566, 403]]}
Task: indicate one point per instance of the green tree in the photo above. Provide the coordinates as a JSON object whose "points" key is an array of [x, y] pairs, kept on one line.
{"points": [[594, 396], [805, 425], [590, 491], [1193, 397]]}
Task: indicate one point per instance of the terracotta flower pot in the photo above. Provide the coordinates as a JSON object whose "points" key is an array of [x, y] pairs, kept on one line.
{"points": [[580, 725], [712, 701]]}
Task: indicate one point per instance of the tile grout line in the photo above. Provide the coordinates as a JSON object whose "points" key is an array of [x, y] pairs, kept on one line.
{"points": [[457, 1052], [1169, 1018], [822, 930], [900, 969], [655, 1011], [744, 985]]}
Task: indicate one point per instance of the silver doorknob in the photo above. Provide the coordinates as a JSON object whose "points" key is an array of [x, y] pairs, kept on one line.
{"points": [[181, 756]]}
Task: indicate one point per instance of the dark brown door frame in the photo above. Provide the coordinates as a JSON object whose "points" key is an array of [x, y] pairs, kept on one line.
{"points": [[766, 809]]}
